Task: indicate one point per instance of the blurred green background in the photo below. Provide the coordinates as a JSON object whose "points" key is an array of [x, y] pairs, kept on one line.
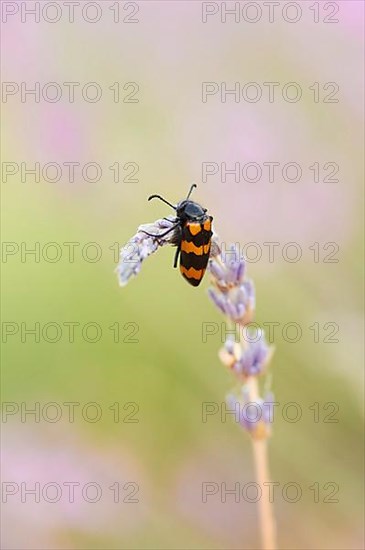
{"points": [[170, 372]]}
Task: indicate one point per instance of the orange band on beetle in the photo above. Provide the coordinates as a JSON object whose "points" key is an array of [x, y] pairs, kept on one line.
{"points": [[207, 225], [190, 247], [192, 273], [194, 228]]}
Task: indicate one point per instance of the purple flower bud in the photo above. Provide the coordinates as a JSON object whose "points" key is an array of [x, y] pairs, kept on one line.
{"points": [[216, 270], [229, 346], [240, 272], [254, 358], [236, 302], [218, 299], [255, 417], [241, 309], [231, 308]]}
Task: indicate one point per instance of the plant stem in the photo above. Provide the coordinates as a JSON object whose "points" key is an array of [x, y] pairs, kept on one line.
{"points": [[260, 452], [261, 459]]}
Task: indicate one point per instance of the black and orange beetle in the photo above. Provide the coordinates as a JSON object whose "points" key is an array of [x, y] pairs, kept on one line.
{"points": [[192, 236]]}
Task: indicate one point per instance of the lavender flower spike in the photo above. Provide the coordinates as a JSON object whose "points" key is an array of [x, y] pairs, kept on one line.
{"points": [[248, 358], [232, 293], [143, 245]]}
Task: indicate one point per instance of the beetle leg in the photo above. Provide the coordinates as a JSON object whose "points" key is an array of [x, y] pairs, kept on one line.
{"points": [[177, 254], [161, 234]]}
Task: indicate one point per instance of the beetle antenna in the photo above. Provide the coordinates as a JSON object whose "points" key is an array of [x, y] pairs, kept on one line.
{"points": [[191, 189], [161, 199]]}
